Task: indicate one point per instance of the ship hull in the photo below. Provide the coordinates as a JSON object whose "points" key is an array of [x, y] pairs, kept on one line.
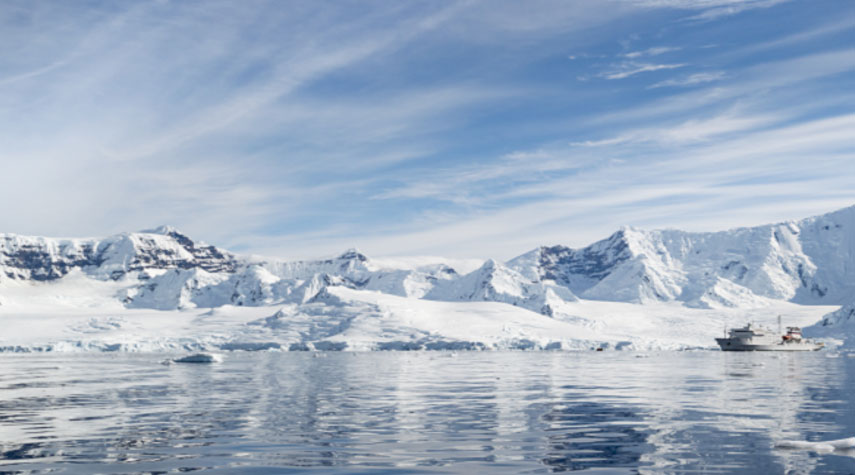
{"points": [[727, 344]]}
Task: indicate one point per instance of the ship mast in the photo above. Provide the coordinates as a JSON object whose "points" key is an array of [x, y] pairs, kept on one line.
{"points": [[780, 331]]}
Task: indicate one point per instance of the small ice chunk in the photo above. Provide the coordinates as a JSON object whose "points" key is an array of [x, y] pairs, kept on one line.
{"points": [[805, 445], [847, 443], [199, 358], [820, 446]]}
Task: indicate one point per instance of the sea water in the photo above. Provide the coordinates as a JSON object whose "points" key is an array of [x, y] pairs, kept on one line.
{"points": [[426, 412]]}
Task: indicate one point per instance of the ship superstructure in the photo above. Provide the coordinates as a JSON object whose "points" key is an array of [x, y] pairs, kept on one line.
{"points": [[753, 337]]}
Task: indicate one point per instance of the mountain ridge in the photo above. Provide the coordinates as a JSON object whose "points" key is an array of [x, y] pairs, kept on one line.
{"points": [[806, 262], [811, 261]]}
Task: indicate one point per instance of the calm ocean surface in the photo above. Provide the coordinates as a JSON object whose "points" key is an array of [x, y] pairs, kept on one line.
{"points": [[488, 412]]}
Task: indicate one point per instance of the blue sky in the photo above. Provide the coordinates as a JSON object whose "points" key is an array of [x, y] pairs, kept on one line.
{"points": [[465, 129]]}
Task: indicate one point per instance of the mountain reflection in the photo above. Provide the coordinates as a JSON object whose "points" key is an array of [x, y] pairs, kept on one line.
{"points": [[511, 412], [587, 434]]}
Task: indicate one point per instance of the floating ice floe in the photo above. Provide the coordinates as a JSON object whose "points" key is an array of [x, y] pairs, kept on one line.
{"points": [[819, 446], [199, 358]]}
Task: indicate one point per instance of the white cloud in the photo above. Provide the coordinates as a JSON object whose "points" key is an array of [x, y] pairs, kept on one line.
{"points": [[689, 131], [802, 36], [709, 9], [686, 188], [32, 74], [683, 179], [775, 75], [628, 69], [734, 8], [147, 126], [655, 51], [604, 142], [319, 127], [691, 80]]}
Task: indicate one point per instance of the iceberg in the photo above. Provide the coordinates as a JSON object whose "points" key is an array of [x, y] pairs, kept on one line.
{"points": [[199, 358]]}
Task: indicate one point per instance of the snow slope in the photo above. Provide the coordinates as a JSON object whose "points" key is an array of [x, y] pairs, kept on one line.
{"points": [[631, 290], [811, 261], [838, 325], [494, 282], [69, 316]]}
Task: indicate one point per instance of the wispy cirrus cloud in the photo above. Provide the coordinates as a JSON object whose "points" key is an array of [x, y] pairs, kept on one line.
{"points": [[691, 79], [710, 9], [693, 130], [779, 76], [733, 8], [841, 25], [418, 126], [625, 70], [676, 166], [661, 188], [655, 51]]}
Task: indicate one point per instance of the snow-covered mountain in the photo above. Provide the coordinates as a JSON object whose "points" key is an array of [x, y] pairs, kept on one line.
{"points": [[45, 259], [809, 262], [164, 269], [495, 282], [839, 325]]}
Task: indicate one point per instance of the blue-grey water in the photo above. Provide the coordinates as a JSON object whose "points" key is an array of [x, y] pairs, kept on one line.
{"points": [[425, 412]]}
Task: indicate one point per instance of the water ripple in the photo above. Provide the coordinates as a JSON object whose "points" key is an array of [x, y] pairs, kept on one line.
{"points": [[515, 412]]}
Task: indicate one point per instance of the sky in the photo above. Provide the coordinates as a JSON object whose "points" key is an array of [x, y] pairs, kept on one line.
{"points": [[464, 129]]}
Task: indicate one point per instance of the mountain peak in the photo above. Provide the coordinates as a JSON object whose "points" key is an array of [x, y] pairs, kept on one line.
{"points": [[490, 264], [163, 229], [171, 231], [353, 254]]}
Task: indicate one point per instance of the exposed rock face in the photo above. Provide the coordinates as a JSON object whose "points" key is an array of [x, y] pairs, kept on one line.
{"points": [[595, 262], [40, 259], [44, 259]]}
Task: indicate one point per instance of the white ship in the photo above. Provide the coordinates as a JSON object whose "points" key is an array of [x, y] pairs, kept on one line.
{"points": [[757, 338]]}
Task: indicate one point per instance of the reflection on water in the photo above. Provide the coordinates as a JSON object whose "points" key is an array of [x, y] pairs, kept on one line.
{"points": [[516, 412]]}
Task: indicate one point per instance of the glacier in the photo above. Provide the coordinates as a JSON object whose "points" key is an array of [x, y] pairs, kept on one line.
{"points": [[160, 290]]}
